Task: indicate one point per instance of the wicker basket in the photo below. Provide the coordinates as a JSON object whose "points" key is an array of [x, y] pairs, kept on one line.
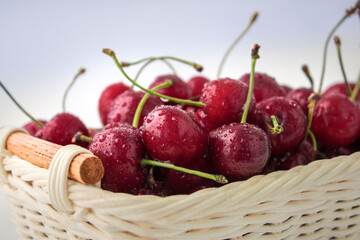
{"points": [[317, 201]]}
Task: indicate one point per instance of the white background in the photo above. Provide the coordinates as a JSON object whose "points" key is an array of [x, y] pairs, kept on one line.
{"points": [[44, 43]]}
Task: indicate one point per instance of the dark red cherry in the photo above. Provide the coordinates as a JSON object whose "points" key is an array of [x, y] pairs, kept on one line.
{"points": [[301, 96], [302, 156], [336, 120], [238, 151], [264, 86], [62, 128], [125, 104], [32, 128], [290, 116], [196, 85], [225, 102], [120, 149], [286, 88], [183, 183], [169, 134], [340, 88], [106, 98], [179, 89]]}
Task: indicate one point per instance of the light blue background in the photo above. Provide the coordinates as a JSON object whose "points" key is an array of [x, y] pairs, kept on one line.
{"points": [[44, 43]]}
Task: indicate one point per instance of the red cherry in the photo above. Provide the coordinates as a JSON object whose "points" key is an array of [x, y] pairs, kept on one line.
{"points": [[106, 98], [301, 96], [196, 85], [302, 156], [340, 88], [32, 128], [290, 116], [225, 102], [169, 134], [336, 120], [125, 104], [179, 89], [238, 151], [120, 149], [62, 128], [264, 86]]}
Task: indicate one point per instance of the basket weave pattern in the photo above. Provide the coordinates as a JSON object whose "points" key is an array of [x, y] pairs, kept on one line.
{"points": [[317, 201]]}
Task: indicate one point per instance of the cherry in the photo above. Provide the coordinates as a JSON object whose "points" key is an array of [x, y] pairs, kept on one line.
{"points": [[264, 86], [301, 96], [286, 88], [196, 85], [225, 101], [62, 128], [169, 134], [302, 156], [290, 116], [125, 104], [239, 150], [106, 98], [32, 128], [179, 89], [120, 148], [336, 120], [341, 88]]}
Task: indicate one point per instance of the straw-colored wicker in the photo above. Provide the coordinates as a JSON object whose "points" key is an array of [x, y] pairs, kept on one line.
{"points": [[317, 201]]}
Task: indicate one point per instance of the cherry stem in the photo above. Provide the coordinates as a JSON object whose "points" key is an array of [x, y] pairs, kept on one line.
{"points": [[308, 132], [80, 72], [254, 57], [150, 61], [232, 46], [177, 100], [215, 177], [313, 139], [356, 90], [305, 69], [21, 108], [348, 13], [338, 47], [143, 100], [277, 128], [80, 137], [198, 67]]}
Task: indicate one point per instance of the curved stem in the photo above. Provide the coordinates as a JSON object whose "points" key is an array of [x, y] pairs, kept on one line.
{"points": [[305, 69], [143, 100], [313, 140], [21, 108], [177, 100], [254, 57], [81, 71], [356, 90], [230, 49], [338, 47], [215, 177]]}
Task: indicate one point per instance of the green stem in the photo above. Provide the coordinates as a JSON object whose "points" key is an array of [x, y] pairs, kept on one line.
{"points": [[217, 178], [79, 137], [177, 100], [81, 71], [348, 13], [305, 69], [356, 90], [313, 140], [277, 128], [198, 67], [338, 47], [21, 108], [230, 49], [143, 100], [254, 57], [147, 63]]}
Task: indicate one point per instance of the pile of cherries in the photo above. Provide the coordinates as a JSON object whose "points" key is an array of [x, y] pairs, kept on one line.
{"points": [[224, 128]]}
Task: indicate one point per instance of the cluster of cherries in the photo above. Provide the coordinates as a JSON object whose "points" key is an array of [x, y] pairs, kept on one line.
{"points": [[178, 136]]}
